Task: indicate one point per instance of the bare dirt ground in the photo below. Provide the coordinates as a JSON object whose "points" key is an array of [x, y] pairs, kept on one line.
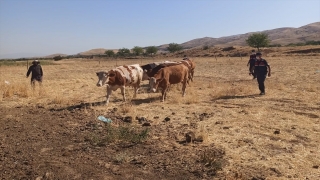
{"points": [[53, 132]]}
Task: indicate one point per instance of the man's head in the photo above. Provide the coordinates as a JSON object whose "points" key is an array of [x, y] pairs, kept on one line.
{"points": [[258, 55], [35, 62]]}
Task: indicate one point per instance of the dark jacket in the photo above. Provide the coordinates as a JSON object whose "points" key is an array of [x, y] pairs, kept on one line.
{"points": [[261, 67], [36, 71]]}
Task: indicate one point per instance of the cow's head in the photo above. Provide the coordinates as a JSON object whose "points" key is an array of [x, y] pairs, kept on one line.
{"points": [[145, 75], [153, 83], [103, 77]]}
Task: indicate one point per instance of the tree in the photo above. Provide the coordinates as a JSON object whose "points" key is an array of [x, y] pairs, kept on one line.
{"points": [[258, 40], [123, 52], [57, 58], [137, 50], [151, 50], [110, 53], [174, 47]]}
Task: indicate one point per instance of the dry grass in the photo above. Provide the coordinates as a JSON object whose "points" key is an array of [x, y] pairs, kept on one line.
{"points": [[238, 120]]}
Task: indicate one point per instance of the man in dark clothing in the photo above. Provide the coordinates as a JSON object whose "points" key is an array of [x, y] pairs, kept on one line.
{"points": [[261, 68], [251, 62], [185, 57], [36, 71]]}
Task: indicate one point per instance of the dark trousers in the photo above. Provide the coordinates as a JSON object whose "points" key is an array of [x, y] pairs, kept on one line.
{"points": [[253, 74], [261, 78], [33, 82]]}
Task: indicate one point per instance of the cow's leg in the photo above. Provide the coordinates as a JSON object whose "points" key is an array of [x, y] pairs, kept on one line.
{"points": [[163, 92], [123, 90], [136, 89], [109, 91], [184, 85]]}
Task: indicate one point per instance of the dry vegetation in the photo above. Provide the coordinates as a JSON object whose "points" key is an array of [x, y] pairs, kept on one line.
{"points": [[238, 134]]}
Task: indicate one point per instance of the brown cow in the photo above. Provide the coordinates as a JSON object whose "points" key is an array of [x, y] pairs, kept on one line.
{"points": [[170, 75]]}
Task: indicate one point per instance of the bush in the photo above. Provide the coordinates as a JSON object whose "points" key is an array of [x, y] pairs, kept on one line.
{"points": [[57, 58]]}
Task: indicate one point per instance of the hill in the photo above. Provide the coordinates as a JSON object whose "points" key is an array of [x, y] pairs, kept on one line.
{"points": [[282, 36]]}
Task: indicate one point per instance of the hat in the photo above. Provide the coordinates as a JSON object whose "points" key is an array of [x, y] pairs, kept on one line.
{"points": [[258, 54], [35, 62]]}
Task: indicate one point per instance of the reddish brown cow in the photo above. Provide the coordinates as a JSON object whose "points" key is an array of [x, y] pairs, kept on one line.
{"points": [[170, 75]]}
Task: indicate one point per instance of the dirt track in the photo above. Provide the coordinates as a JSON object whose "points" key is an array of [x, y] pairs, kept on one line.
{"points": [[245, 136]]}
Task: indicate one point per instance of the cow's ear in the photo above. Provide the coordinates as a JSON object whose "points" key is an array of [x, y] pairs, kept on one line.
{"points": [[97, 73]]}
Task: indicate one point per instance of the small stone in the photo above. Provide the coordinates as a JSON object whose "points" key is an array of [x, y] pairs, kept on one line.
{"points": [[167, 119], [127, 119], [173, 113], [146, 124], [190, 137], [315, 166], [277, 131]]}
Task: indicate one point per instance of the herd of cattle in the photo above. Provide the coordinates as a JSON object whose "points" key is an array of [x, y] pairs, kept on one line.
{"points": [[159, 74]]}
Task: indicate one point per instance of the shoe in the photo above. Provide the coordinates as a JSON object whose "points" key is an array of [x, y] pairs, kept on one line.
{"points": [[262, 93]]}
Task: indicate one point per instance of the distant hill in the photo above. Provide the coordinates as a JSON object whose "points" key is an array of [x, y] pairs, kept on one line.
{"points": [[54, 55], [97, 51], [282, 36]]}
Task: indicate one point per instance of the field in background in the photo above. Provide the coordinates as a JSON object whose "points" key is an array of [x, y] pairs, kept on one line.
{"points": [[275, 136]]}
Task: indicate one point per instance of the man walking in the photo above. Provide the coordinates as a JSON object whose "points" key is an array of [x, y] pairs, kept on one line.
{"points": [[251, 62], [261, 68], [36, 71]]}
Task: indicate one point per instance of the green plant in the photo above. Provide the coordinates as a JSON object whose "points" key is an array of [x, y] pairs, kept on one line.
{"points": [[110, 53], [258, 40], [137, 50], [151, 50], [174, 47]]}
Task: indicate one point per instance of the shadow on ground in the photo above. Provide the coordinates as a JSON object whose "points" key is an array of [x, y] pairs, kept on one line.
{"points": [[236, 97], [80, 106]]}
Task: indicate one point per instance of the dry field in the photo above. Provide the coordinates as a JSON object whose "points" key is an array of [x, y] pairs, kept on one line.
{"points": [[53, 132]]}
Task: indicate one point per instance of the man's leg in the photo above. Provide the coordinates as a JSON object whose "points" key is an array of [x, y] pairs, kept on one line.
{"points": [[261, 79], [33, 83]]}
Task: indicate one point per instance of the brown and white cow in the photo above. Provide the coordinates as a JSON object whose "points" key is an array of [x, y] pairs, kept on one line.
{"points": [[120, 77], [173, 74]]}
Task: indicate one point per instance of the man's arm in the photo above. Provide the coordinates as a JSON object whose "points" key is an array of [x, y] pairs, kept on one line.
{"points": [[269, 71], [29, 71], [252, 69], [41, 72]]}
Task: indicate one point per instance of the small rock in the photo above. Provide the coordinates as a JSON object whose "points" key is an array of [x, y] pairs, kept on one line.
{"points": [[190, 137], [146, 124], [167, 119], [226, 127], [141, 119], [156, 117], [127, 119], [219, 122], [277, 131], [173, 113], [315, 166]]}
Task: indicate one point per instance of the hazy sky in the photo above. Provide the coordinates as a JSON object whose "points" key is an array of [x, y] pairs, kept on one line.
{"points": [[44, 27]]}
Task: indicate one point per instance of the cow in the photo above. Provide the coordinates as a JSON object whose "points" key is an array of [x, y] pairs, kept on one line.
{"points": [[149, 67], [191, 65], [173, 74], [120, 77]]}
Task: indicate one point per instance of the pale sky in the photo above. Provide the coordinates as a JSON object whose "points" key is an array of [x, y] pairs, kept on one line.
{"points": [[43, 27]]}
